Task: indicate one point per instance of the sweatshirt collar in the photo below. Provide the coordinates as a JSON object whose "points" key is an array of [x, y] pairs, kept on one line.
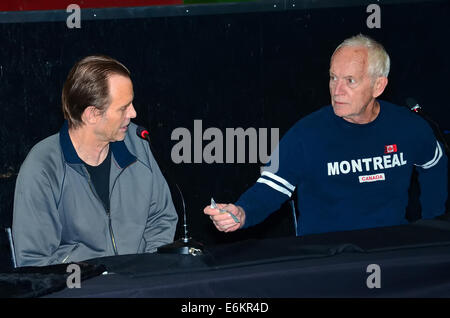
{"points": [[119, 150]]}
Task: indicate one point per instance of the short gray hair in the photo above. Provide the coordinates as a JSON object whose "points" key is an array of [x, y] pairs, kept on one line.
{"points": [[378, 59]]}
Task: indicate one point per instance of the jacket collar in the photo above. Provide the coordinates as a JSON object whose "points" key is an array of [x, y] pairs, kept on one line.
{"points": [[119, 150]]}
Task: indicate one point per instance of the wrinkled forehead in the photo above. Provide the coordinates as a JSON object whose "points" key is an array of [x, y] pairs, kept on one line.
{"points": [[349, 61]]}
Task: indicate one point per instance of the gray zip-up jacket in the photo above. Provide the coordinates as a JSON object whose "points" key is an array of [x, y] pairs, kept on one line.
{"points": [[59, 218]]}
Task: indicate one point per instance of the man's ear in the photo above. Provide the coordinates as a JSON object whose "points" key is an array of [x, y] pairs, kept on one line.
{"points": [[91, 115], [379, 86]]}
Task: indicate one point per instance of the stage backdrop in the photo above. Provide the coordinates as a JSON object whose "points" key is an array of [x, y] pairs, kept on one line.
{"points": [[247, 65]]}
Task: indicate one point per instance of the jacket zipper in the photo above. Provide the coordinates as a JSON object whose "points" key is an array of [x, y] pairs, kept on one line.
{"points": [[113, 240], [108, 213], [111, 232], [69, 254]]}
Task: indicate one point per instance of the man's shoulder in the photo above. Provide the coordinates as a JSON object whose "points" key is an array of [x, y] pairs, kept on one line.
{"points": [[395, 109], [321, 113], [137, 146], [132, 140], [314, 120], [132, 127], [43, 155], [309, 125], [404, 117], [45, 148]]}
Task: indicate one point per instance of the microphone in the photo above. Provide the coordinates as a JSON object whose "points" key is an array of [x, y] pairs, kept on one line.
{"points": [[143, 133], [415, 107], [185, 245]]}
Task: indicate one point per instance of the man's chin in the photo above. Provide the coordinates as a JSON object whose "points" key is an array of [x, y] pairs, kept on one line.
{"points": [[120, 136], [339, 111]]}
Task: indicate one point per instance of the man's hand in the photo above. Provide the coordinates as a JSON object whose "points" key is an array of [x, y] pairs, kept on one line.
{"points": [[223, 221]]}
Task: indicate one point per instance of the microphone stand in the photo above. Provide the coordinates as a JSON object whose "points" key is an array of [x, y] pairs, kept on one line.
{"points": [[436, 129], [185, 245]]}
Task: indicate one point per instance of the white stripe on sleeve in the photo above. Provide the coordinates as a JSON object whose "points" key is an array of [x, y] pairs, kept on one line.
{"points": [[274, 186], [435, 160], [277, 178]]}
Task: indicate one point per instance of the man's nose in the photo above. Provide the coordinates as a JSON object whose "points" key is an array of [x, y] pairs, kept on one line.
{"points": [[338, 87], [132, 112]]}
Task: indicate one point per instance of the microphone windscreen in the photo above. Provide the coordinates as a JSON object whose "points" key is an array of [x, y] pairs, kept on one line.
{"points": [[141, 132]]}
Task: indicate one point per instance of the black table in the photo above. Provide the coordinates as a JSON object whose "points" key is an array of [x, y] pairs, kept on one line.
{"points": [[413, 261]]}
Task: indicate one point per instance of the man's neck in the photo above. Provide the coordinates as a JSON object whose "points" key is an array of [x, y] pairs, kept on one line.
{"points": [[91, 150], [369, 114]]}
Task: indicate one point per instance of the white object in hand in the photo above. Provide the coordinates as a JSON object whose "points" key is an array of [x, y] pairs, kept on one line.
{"points": [[214, 206]]}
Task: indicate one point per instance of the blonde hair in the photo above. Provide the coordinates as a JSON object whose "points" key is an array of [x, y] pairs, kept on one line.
{"points": [[378, 59]]}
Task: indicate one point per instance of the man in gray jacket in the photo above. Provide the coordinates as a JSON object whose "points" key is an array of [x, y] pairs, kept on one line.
{"points": [[93, 189]]}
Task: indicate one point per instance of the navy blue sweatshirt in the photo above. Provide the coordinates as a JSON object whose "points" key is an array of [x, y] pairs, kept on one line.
{"points": [[351, 176]]}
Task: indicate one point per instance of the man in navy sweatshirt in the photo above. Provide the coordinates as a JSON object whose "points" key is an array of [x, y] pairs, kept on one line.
{"points": [[351, 161]]}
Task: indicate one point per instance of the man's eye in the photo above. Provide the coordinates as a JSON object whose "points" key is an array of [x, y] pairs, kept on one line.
{"points": [[332, 78], [351, 81]]}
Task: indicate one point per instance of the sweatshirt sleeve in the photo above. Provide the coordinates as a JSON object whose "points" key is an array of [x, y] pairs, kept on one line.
{"points": [[36, 224], [277, 182], [162, 220], [432, 166]]}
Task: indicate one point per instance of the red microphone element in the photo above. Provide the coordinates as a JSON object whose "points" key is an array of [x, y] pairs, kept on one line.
{"points": [[142, 132]]}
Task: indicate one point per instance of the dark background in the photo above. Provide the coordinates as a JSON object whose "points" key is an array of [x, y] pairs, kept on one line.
{"points": [[261, 69]]}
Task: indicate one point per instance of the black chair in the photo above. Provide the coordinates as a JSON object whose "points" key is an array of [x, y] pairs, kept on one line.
{"points": [[7, 255]]}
